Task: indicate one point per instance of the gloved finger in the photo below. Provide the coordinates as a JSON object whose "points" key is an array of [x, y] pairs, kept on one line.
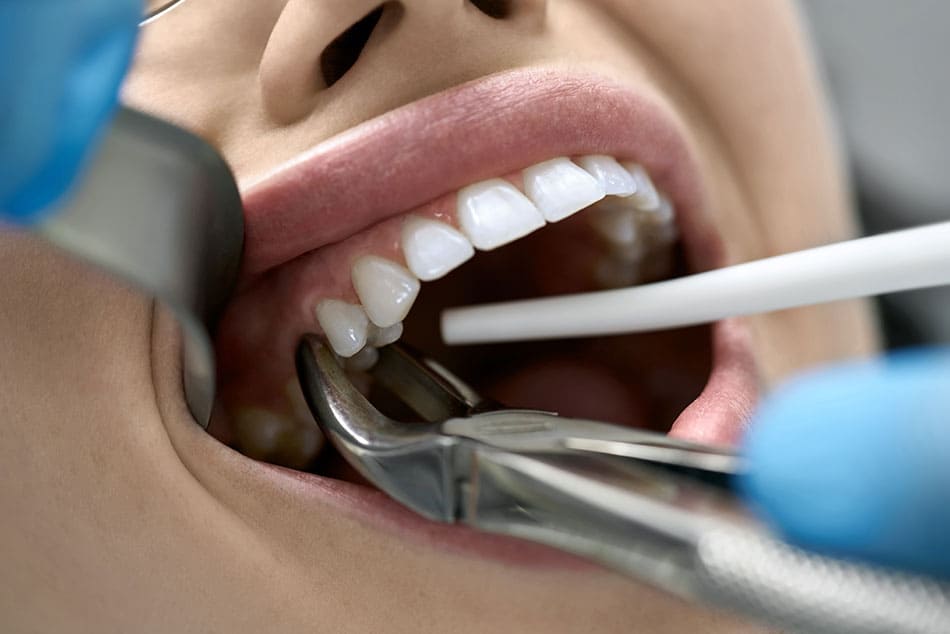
{"points": [[855, 461], [61, 64]]}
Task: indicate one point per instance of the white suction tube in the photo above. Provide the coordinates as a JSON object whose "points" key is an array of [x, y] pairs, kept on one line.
{"points": [[887, 263]]}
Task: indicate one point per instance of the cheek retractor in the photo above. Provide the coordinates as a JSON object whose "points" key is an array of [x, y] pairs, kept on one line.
{"points": [[899, 261]]}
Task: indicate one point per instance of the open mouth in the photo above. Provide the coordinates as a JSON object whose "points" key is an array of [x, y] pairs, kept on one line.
{"points": [[519, 185]]}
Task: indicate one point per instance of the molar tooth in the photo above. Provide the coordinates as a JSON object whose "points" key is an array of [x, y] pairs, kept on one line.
{"points": [[616, 222], [659, 224], [380, 337], [493, 213], [433, 248], [646, 197], [277, 438], [611, 175], [385, 289], [259, 431], [560, 188], [345, 325]]}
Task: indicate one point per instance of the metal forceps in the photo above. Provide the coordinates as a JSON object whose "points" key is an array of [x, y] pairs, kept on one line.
{"points": [[654, 508]]}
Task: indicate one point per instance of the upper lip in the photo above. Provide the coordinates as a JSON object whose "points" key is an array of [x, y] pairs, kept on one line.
{"points": [[482, 129]]}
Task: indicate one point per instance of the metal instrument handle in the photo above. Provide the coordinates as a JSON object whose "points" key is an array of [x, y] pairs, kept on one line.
{"points": [[693, 540], [758, 575]]}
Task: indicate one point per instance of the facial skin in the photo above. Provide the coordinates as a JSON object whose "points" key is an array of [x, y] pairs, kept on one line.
{"points": [[122, 515]]}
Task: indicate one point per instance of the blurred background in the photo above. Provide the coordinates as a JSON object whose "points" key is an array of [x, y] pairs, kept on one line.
{"points": [[885, 64]]}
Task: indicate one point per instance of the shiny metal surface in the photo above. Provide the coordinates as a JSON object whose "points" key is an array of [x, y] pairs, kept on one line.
{"points": [[414, 462], [656, 509], [160, 209]]}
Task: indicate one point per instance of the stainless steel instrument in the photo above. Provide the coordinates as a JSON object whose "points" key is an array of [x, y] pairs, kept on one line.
{"points": [[657, 509]]}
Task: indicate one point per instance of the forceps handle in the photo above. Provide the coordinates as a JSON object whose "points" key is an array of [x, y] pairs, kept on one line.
{"points": [[694, 541], [160, 209]]}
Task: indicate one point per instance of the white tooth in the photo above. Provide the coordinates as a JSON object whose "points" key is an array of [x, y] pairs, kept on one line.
{"points": [[345, 325], [646, 196], [659, 224], [385, 289], [380, 337], [611, 175], [433, 248], [665, 212], [493, 213], [363, 360], [560, 189], [259, 431], [615, 221]]}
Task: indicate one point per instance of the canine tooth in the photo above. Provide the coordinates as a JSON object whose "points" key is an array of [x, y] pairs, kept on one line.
{"points": [[433, 248], [560, 188], [611, 175], [363, 360], [380, 337], [493, 213], [345, 325], [385, 289], [646, 197], [615, 221]]}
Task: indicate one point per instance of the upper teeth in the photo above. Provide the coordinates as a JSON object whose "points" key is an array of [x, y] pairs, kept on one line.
{"points": [[490, 214], [386, 290], [560, 188], [612, 176], [494, 213], [433, 248], [345, 325]]}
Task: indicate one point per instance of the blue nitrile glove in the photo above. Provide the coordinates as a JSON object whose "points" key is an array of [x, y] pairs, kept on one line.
{"points": [[855, 461], [61, 64]]}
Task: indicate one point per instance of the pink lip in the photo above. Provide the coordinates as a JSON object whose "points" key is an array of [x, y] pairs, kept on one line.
{"points": [[431, 148], [484, 129], [376, 508]]}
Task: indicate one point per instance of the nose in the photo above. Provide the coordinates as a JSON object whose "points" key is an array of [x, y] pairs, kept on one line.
{"points": [[317, 43]]}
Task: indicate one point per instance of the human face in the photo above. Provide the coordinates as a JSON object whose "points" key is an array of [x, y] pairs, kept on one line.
{"points": [[715, 100]]}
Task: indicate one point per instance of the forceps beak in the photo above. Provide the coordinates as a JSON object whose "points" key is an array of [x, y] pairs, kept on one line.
{"points": [[413, 463]]}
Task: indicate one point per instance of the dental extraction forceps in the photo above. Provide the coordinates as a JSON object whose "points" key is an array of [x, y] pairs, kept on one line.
{"points": [[654, 508]]}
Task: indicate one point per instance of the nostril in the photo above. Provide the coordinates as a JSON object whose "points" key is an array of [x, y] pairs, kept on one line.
{"points": [[341, 54], [498, 9]]}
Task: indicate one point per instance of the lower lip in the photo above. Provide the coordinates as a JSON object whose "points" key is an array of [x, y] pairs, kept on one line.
{"points": [[374, 508]]}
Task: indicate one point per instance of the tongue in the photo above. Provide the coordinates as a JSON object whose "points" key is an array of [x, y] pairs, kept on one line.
{"points": [[573, 389]]}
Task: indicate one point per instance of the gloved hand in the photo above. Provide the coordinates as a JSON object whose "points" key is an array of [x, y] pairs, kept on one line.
{"points": [[61, 64], [854, 461]]}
